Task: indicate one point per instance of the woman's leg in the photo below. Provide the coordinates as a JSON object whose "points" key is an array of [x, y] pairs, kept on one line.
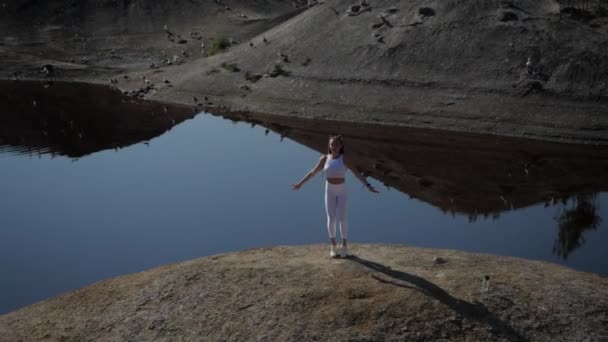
{"points": [[330, 210], [341, 213]]}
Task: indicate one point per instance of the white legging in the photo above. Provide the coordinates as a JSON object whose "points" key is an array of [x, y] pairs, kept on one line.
{"points": [[336, 199]]}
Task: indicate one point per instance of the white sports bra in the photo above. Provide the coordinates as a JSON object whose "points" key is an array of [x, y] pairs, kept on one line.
{"points": [[334, 168]]}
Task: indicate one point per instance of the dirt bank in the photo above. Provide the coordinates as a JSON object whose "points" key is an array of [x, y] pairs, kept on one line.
{"points": [[385, 293], [451, 65]]}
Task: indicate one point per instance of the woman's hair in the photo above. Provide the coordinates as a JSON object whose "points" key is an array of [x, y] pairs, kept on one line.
{"points": [[338, 138]]}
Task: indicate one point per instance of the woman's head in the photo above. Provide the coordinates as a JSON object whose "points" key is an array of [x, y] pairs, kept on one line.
{"points": [[336, 143]]}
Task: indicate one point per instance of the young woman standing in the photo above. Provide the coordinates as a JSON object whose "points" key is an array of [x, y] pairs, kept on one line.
{"points": [[334, 164]]}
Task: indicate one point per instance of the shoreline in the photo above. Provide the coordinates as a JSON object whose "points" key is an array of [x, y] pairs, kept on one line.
{"points": [[567, 131]]}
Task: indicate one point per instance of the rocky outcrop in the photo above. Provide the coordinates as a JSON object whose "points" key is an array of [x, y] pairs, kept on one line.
{"points": [[382, 293]]}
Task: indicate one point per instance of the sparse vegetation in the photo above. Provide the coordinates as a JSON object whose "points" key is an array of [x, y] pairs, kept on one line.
{"points": [[219, 45], [279, 71], [231, 67]]}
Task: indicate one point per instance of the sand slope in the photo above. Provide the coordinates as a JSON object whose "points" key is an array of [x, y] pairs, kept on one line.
{"points": [[449, 65]]}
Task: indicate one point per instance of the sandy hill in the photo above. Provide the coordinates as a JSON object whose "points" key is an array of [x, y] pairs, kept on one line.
{"points": [[514, 67], [443, 64]]}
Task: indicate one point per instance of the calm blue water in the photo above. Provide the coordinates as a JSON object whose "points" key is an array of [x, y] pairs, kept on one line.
{"points": [[210, 186]]}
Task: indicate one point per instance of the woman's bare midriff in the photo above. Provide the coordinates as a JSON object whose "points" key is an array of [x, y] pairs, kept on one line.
{"points": [[335, 180]]}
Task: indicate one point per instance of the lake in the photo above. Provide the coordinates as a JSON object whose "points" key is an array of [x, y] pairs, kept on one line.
{"points": [[96, 185]]}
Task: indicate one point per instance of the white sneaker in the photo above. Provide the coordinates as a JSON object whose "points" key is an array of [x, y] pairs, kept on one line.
{"points": [[332, 252], [344, 252]]}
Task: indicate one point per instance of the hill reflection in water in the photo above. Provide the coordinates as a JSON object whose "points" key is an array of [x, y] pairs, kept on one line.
{"points": [[462, 174], [74, 120], [467, 174]]}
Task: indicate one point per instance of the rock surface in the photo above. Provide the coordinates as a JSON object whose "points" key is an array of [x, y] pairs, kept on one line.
{"points": [[383, 293]]}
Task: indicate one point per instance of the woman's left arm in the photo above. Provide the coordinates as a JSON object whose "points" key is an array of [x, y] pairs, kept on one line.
{"points": [[359, 176]]}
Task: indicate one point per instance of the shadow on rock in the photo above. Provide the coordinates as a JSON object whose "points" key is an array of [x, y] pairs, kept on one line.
{"points": [[477, 312]]}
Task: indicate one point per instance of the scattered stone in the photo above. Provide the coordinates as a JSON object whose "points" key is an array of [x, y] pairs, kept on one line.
{"points": [[252, 77], [439, 260], [279, 71], [284, 57], [48, 69], [231, 67], [385, 21], [166, 81], [393, 10], [306, 61], [353, 10], [507, 16], [532, 86], [182, 41], [529, 66], [426, 12]]}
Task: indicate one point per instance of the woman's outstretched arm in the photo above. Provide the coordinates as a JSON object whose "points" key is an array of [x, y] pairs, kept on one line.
{"points": [[359, 176], [311, 173]]}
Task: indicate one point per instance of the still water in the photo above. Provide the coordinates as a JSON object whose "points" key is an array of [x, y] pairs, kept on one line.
{"points": [[73, 211]]}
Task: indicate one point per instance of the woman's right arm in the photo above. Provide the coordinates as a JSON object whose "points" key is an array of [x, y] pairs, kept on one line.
{"points": [[311, 173]]}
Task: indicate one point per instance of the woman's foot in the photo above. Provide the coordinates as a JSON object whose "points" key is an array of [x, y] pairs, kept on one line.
{"points": [[344, 251], [332, 251]]}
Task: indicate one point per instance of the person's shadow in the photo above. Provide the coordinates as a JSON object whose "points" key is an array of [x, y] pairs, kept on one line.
{"points": [[477, 311]]}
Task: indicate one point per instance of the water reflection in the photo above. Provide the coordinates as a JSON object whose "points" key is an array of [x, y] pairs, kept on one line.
{"points": [[573, 220], [74, 120], [466, 174], [462, 174]]}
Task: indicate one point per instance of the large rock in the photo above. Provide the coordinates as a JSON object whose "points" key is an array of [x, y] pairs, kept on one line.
{"points": [[384, 293]]}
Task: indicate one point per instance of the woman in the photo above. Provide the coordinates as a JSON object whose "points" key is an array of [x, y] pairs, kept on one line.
{"points": [[334, 165]]}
